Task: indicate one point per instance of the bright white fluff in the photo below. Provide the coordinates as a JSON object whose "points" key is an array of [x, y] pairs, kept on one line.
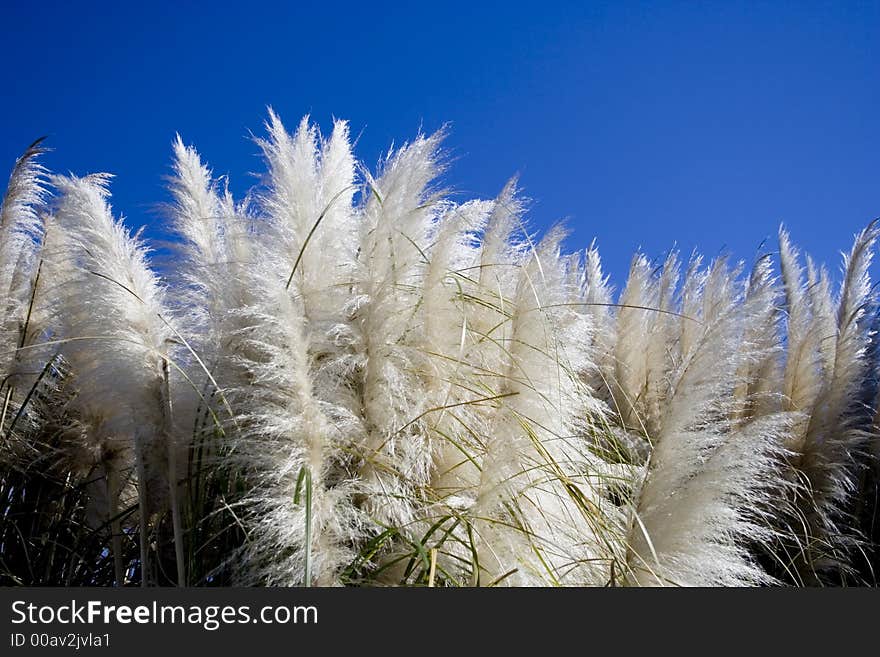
{"points": [[21, 230], [759, 377], [395, 232], [539, 489], [109, 313], [198, 219], [829, 341], [291, 434], [297, 413], [597, 296], [699, 503]]}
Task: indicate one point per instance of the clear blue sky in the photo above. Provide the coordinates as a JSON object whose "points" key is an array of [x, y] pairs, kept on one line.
{"points": [[642, 124]]}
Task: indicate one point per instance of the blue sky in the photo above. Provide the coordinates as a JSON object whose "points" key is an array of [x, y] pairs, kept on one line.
{"points": [[641, 124]]}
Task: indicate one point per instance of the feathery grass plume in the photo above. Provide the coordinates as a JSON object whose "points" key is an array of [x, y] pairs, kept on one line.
{"points": [[759, 378], [465, 285], [197, 218], [20, 235], [452, 254], [212, 252], [395, 231], [446, 333], [296, 435], [805, 376], [205, 286], [110, 309], [823, 307], [504, 241], [598, 296], [536, 514], [311, 184], [802, 383], [294, 451], [595, 300], [312, 233], [41, 512], [637, 303], [21, 229], [441, 332], [833, 435], [659, 353], [29, 459], [636, 370], [698, 505], [439, 328], [690, 303]]}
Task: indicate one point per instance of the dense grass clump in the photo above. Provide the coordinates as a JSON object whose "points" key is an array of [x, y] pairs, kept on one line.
{"points": [[347, 378]]}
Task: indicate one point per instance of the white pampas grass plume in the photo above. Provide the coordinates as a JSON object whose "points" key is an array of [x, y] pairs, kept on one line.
{"points": [[630, 375], [298, 421], [110, 310], [759, 378], [206, 278], [597, 296], [20, 234], [311, 184], [699, 505], [536, 493], [198, 219], [20, 224], [829, 371], [802, 382], [396, 229], [293, 450]]}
